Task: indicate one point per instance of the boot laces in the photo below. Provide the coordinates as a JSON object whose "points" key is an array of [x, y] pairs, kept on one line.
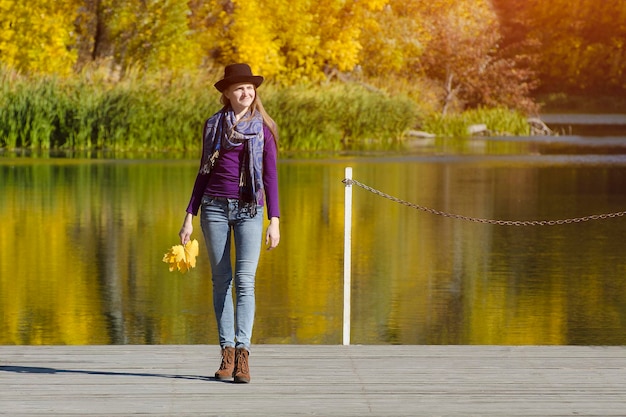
{"points": [[242, 363], [226, 360]]}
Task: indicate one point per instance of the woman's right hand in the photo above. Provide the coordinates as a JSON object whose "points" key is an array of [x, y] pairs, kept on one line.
{"points": [[186, 230]]}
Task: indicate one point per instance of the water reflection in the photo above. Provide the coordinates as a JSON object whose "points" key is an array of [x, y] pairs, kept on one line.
{"points": [[81, 243]]}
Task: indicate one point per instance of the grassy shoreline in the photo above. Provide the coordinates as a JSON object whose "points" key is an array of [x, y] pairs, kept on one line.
{"points": [[156, 114]]}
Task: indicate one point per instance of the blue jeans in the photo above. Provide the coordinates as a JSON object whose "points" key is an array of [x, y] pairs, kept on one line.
{"points": [[220, 219]]}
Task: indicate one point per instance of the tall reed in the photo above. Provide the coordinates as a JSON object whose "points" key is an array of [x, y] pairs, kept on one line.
{"points": [[499, 121], [29, 112], [338, 116], [157, 113], [165, 113], [138, 113]]}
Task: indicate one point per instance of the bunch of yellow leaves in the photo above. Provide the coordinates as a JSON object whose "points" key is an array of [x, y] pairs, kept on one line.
{"points": [[182, 257]]}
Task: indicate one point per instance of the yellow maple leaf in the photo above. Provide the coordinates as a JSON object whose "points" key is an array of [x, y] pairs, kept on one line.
{"points": [[182, 258], [191, 251]]}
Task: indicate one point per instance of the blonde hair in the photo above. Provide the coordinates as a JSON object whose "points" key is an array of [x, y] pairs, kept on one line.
{"points": [[257, 105]]}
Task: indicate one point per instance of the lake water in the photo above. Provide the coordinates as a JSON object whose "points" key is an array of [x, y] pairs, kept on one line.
{"points": [[81, 243]]}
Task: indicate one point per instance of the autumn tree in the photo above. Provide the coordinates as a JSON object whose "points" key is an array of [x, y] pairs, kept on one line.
{"points": [[580, 45], [151, 35], [452, 48], [291, 41], [456, 45], [464, 56], [394, 39], [236, 31], [36, 36]]}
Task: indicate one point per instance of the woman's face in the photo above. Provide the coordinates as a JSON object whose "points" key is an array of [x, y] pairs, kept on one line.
{"points": [[240, 96]]}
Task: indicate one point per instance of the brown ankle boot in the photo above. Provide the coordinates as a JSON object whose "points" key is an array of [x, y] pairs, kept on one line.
{"points": [[242, 370], [227, 368]]}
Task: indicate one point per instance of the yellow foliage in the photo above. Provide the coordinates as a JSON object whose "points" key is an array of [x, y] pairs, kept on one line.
{"points": [[37, 35], [152, 35], [182, 258], [290, 41], [294, 41]]}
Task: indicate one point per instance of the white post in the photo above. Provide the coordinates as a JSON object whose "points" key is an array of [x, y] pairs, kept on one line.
{"points": [[347, 255]]}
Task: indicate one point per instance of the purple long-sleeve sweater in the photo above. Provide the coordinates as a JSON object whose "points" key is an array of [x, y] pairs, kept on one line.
{"points": [[224, 179]]}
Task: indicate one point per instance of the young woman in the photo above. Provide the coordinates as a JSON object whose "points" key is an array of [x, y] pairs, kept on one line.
{"points": [[236, 183]]}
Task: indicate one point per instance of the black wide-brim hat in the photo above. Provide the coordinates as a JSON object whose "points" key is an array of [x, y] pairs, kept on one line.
{"points": [[238, 73]]}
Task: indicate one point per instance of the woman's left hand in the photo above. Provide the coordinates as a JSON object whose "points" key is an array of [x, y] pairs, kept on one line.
{"points": [[272, 237]]}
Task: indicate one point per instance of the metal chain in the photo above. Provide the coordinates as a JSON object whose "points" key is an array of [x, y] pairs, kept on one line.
{"points": [[487, 221]]}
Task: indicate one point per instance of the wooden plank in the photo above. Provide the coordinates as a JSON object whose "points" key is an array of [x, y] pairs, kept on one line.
{"points": [[288, 380]]}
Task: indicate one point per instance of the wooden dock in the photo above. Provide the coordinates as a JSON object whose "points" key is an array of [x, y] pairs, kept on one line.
{"points": [[314, 380]]}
